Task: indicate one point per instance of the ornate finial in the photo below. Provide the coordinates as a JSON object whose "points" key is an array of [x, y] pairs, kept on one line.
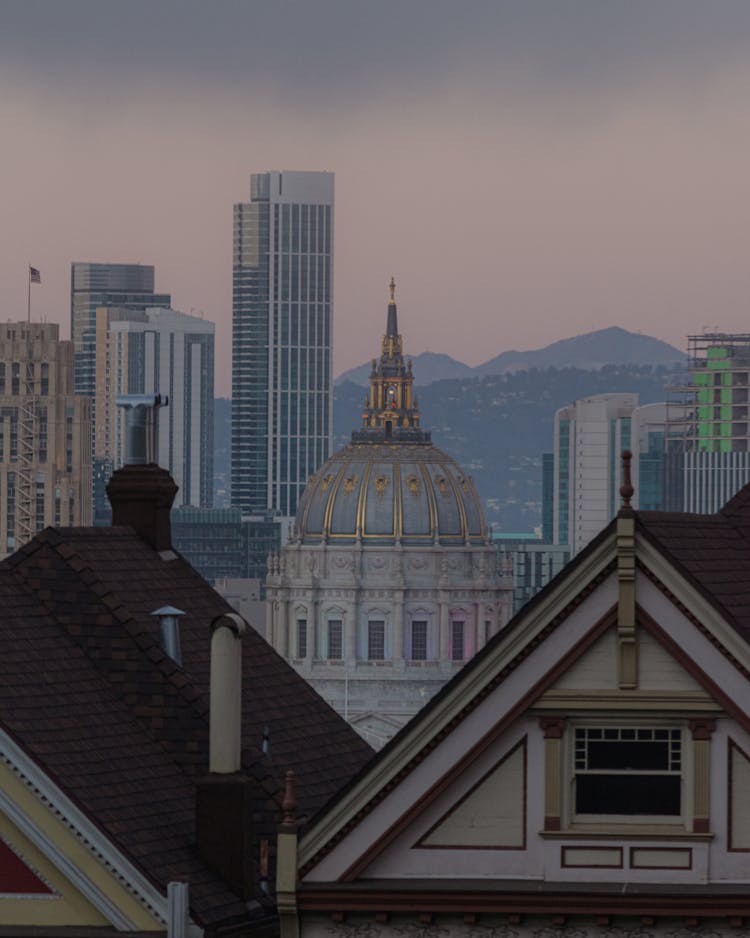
{"points": [[393, 290], [289, 804], [626, 489]]}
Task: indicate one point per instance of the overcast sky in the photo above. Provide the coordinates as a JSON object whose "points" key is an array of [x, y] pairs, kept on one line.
{"points": [[527, 170]]}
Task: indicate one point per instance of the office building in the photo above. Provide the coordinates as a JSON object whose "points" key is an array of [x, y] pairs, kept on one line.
{"points": [[159, 351], [529, 563], [221, 544], [129, 286], [281, 339], [45, 435], [590, 436]]}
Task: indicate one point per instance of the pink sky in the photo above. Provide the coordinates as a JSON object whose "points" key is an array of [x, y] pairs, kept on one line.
{"points": [[593, 175]]}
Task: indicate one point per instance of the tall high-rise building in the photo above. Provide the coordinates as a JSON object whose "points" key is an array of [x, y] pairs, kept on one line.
{"points": [[130, 286], [45, 435], [590, 436], [159, 351], [281, 339]]}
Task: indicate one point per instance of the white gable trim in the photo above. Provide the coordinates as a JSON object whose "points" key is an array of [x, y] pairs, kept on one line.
{"points": [[366, 804], [36, 780], [442, 712], [693, 600]]}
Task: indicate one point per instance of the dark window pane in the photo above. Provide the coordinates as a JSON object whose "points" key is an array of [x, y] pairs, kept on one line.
{"points": [[628, 794]]}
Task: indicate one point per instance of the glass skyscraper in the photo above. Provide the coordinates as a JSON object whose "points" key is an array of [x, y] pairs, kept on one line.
{"points": [[281, 339], [130, 286]]}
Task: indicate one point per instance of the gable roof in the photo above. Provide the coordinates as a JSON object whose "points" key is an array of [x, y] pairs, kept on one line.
{"points": [[710, 554], [711, 551], [121, 728]]}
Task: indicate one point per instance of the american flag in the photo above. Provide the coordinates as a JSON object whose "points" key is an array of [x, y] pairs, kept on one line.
{"points": [[34, 275]]}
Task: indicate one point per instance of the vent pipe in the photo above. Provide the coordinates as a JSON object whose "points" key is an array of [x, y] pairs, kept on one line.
{"points": [[141, 426], [225, 721], [170, 631]]}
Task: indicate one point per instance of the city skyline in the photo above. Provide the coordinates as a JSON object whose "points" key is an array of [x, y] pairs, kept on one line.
{"points": [[526, 171]]}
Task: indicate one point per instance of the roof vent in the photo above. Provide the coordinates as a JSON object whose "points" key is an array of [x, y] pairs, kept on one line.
{"points": [[170, 631]]}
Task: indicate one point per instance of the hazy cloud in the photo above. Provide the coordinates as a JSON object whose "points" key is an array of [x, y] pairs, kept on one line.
{"points": [[333, 53], [526, 169]]}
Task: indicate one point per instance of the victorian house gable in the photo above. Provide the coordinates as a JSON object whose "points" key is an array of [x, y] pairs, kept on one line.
{"points": [[589, 767]]}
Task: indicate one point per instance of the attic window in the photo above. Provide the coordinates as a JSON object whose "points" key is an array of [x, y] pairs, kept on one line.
{"points": [[628, 771]]}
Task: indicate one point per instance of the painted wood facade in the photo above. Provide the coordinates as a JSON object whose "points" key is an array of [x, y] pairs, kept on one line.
{"points": [[589, 770]]}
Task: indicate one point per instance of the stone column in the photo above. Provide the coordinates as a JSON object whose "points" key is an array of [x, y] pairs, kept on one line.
{"points": [[445, 638], [282, 631], [398, 628], [479, 638], [350, 640], [312, 631]]}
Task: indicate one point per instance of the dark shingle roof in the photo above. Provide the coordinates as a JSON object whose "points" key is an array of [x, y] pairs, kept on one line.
{"points": [[711, 551], [121, 728]]}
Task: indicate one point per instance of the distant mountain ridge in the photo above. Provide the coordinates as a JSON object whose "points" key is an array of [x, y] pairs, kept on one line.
{"points": [[590, 351]]}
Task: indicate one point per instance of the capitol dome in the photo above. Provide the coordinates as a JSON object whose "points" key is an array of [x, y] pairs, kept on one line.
{"points": [[390, 492], [389, 581], [390, 484]]}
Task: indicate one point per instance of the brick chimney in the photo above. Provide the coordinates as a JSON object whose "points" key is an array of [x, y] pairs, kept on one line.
{"points": [[142, 497]]}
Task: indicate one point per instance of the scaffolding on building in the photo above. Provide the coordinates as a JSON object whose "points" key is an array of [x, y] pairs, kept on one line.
{"points": [[707, 410], [25, 513]]}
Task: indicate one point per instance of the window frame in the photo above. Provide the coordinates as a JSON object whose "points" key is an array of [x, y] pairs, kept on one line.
{"points": [[573, 821], [380, 625]]}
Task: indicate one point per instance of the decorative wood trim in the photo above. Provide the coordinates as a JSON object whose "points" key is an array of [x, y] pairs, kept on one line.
{"points": [[627, 645], [442, 900], [731, 746], [592, 848], [421, 845], [337, 834], [694, 669], [553, 729], [521, 706], [567, 700], [642, 866], [707, 633]]}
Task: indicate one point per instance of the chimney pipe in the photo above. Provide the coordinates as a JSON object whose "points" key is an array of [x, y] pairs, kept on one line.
{"points": [[170, 631], [225, 721], [224, 798], [141, 427]]}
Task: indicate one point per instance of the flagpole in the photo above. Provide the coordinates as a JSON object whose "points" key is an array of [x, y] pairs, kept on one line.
{"points": [[28, 303]]}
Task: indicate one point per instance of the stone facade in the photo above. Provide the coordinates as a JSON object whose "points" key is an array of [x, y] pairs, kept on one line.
{"points": [[389, 583]]}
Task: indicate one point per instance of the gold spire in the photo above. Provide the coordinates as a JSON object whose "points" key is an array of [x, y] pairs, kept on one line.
{"points": [[393, 290]]}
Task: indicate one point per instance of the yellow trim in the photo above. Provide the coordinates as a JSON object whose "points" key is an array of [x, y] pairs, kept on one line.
{"points": [[328, 513], [360, 514], [398, 513], [431, 504], [618, 831], [459, 501], [627, 700], [72, 908]]}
